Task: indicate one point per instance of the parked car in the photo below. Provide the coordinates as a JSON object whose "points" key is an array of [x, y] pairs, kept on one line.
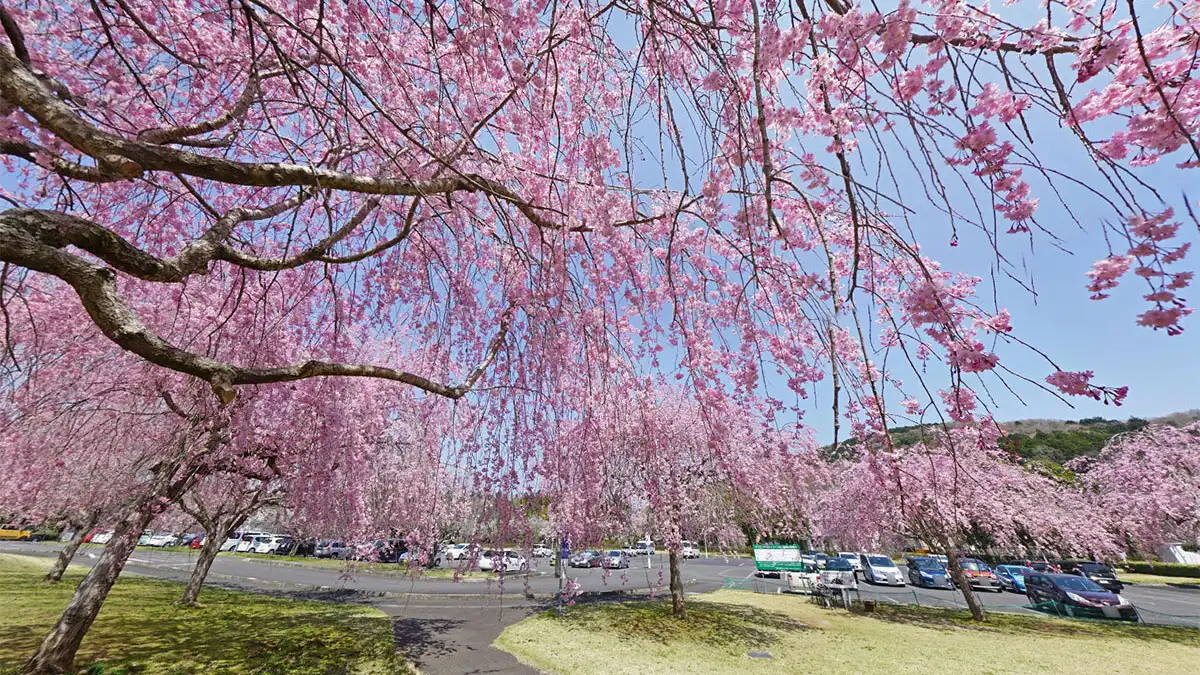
{"points": [[271, 544], [15, 532], [502, 561], [250, 542], [584, 559], [928, 572], [689, 549], [235, 539], [542, 551], [851, 558], [198, 541], [187, 539], [102, 537], [1038, 565], [144, 540], [632, 550], [162, 539], [456, 552], [1098, 572], [821, 559], [839, 573], [1078, 596], [1012, 577], [805, 579], [645, 548], [879, 569], [979, 575], [331, 549], [615, 560]]}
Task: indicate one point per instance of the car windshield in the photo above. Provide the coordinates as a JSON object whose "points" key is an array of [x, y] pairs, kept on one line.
{"points": [[974, 565], [615, 553], [847, 556], [1094, 568], [1077, 584], [881, 561], [927, 564], [839, 565]]}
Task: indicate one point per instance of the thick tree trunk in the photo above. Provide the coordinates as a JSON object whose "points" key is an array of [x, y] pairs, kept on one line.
{"points": [[214, 537], [57, 652], [66, 555], [964, 585], [676, 585]]}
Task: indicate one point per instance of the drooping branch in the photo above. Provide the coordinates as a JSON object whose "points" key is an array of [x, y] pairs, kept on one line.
{"points": [[28, 238], [118, 157]]}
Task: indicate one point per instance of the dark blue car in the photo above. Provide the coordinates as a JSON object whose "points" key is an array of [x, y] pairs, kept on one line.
{"points": [[928, 573]]}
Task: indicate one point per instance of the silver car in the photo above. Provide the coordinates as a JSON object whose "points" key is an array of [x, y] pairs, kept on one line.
{"points": [[879, 569]]}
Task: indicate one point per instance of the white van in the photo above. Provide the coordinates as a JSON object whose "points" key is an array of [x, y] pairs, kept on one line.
{"points": [[645, 548], [689, 549]]}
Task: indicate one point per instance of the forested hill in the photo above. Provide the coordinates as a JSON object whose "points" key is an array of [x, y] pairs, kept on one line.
{"points": [[1057, 441]]}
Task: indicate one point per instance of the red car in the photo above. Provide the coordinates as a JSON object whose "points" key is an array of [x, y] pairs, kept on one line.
{"points": [[1038, 566], [979, 575]]}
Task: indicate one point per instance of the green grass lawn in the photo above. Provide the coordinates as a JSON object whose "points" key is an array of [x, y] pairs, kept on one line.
{"points": [[1137, 578], [140, 631], [640, 637], [373, 567]]}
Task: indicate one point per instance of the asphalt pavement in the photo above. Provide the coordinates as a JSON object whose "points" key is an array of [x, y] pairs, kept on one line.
{"points": [[448, 627]]}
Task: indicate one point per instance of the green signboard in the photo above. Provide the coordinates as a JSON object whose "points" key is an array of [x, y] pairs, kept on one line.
{"points": [[777, 558]]}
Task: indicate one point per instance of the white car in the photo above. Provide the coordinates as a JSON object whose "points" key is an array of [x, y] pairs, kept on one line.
{"points": [[805, 579], [268, 544], [879, 569], [250, 542], [632, 550], [852, 558], [507, 561], [457, 551], [234, 539], [162, 539], [838, 573], [103, 537], [689, 550], [543, 551], [645, 548]]}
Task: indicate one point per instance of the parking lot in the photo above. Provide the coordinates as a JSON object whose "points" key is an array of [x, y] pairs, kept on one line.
{"points": [[1172, 605]]}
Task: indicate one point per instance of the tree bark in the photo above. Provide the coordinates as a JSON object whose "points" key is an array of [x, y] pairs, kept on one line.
{"points": [[214, 537], [677, 610], [964, 585], [57, 652], [66, 555], [208, 553]]}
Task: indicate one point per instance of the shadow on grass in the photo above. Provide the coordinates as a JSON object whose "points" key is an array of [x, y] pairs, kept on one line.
{"points": [[421, 639], [140, 631], [1016, 624], [711, 623]]}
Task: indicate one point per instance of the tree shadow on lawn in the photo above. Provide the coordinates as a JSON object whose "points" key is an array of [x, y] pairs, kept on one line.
{"points": [[710, 623], [139, 630], [1024, 625]]}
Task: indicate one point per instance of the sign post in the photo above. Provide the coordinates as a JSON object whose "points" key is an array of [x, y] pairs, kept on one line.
{"points": [[564, 553]]}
